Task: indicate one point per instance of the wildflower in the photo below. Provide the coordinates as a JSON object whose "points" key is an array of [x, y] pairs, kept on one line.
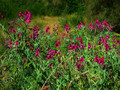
{"points": [[1, 15], [81, 59], [106, 47], [78, 65], [89, 45], [57, 44], [49, 57], [96, 59], [90, 26], [20, 34], [57, 27], [13, 21], [27, 16], [107, 37], [70, 46], [10, 43], [67, 28], [82, 47], [114, 36], [37, 53], [16, 43], [47, 29], [51, 54], [36, 27], [101, 61], [111, 28], [79, 39], [21, 14]]}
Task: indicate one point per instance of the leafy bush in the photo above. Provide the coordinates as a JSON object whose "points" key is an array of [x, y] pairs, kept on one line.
{"points": [[88, 58]]}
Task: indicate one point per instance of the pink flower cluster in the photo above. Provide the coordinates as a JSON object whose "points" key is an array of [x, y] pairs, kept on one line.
{"points": [[57, 44], [81, 43], [26, 16], [99, 60], [91, 26], [67, 28], [37, 52], [10, 43], [51, 54], [12, 29], [101, 26], [79, 63], [73, 47], [47, 29], [102, 40], [35, 31]]}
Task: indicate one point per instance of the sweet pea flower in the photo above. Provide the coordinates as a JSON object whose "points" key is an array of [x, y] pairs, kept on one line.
{"points": [[37, 53], [16, 43], [96, 59], [101, 61], [81, 59], [10, 43], [47, 29]]}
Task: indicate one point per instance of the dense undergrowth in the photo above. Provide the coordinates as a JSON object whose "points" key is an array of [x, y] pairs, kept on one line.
{"points": [[88, 57]]}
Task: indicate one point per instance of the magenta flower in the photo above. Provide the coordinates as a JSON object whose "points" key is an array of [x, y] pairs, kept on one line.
{"points": [[10, 43], [21, 14], [78, 65], [11, 29], [101, 61], [27, 17], [49, 57], [107, 37], [82, 47], [81, 59], [36, 27], [70, 46], [107, 47], [57, 27], [114, 36], [20, 34], [67, 28], [89, 45], [37, 53], [111, 28], [92, 27], [47, 29], [57, 44], [96, 59], [13, 21], [16, 43], [1, 15], [79, 39], [51, 54]]}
